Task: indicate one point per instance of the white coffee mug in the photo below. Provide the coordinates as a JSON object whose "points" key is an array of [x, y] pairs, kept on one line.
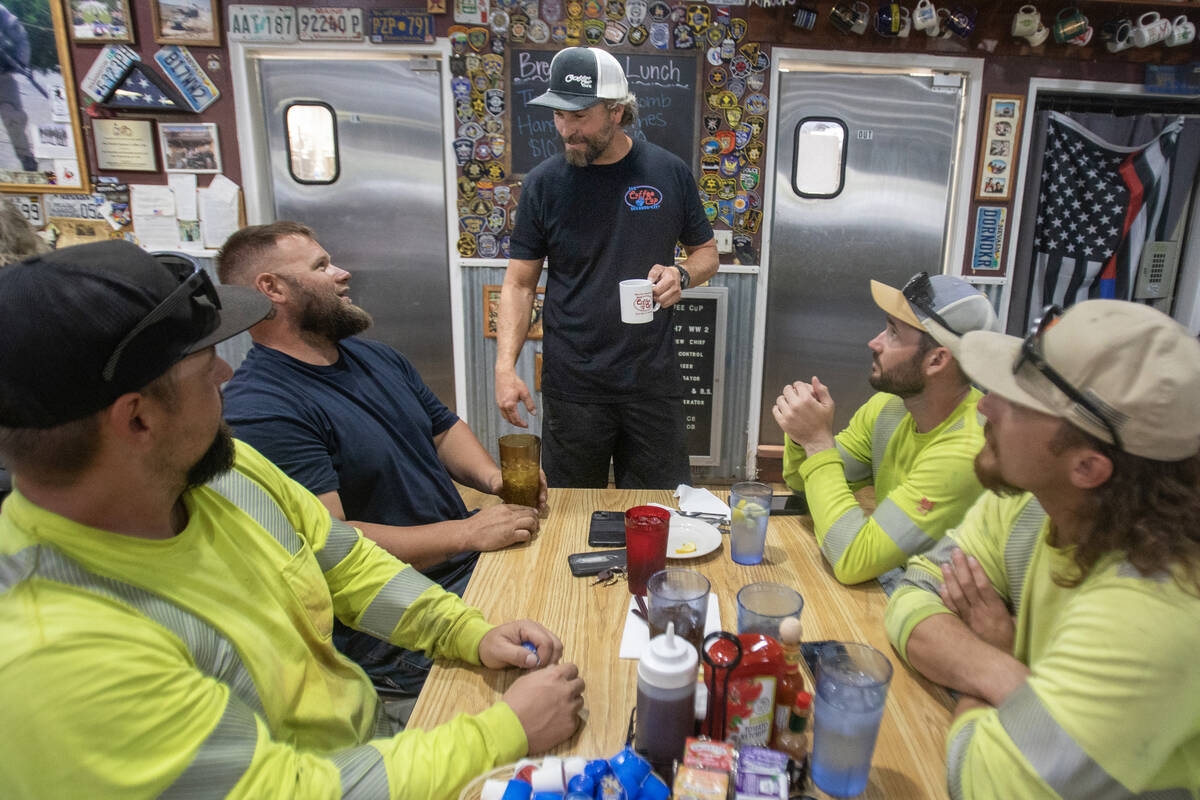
{"points": [[1183, 31], [637, 301], [1039, 36], [1150, 29], [905, 22], [1026, 21], [924, 15]]}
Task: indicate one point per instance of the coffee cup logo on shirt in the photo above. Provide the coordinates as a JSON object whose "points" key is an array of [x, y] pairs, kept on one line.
{"points": [[643, 198]]}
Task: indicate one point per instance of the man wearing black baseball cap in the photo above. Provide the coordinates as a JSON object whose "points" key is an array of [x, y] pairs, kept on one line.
{"points": [[167, 595], [609, 209]]}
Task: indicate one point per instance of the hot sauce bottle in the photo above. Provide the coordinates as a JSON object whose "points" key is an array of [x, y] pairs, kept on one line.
{"points": [[792, 682]]}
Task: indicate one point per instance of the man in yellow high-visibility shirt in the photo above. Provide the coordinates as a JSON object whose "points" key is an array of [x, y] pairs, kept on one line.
{"points": [[913, 441], [1065, 606], [167, 594]]}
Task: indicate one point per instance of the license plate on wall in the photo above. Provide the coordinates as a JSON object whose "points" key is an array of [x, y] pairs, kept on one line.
{"points": [[261, 23], [330, 24]]}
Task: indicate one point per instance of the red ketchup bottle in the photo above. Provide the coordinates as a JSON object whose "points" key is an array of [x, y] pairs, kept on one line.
{"points": [[749, 703]]}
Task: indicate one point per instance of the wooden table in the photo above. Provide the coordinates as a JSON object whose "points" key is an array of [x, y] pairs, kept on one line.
{"points": [[533, 581]]}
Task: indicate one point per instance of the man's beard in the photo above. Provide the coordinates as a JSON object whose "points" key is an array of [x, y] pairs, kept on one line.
{"points": [[904, 380], [596, 145], [987, 468], [328, 316], [217, 460]]}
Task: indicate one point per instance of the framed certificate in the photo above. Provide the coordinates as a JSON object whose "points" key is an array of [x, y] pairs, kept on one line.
{"points": [[125, 144]]}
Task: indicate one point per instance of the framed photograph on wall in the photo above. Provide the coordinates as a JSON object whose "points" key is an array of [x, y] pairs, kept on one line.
{"points": [[491, 312], [125, 144], [41, 148], [191, 22], [998, 153], [100, 21], [190, 147]]}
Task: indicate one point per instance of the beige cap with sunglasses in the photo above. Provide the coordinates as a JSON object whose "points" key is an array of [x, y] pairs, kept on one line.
{"points": [[1123, 372], [945, 306]]}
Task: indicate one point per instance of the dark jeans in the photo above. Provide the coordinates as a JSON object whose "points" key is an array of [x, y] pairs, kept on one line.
{"points": [[391, 668], [645, 440]]}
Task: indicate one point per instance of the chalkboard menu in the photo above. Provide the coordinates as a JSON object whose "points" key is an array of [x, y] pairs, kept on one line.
{"points": [[700, 345], [665, 86]]}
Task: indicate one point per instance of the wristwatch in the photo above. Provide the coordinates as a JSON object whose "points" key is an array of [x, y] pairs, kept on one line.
{"points": [[685, 279]]}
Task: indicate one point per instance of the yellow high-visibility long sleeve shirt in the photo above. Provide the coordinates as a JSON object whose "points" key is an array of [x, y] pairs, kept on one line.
{"points": [[924, 483], [1112, 705], [205, 663]]}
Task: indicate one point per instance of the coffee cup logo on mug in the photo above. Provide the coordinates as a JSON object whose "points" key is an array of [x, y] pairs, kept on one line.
{"points": [[637, 301], [1026, 22], [1069, 24]]}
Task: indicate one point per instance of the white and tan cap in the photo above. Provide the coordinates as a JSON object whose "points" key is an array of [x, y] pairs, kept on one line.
{"points": [[1132, 361], [964, 308]]}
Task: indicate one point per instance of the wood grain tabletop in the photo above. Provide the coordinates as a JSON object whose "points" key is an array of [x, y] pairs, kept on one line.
{"points": [[532, 580]]}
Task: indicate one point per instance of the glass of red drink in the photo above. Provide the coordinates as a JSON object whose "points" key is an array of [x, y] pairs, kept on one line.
{"points": [[646, 529]]}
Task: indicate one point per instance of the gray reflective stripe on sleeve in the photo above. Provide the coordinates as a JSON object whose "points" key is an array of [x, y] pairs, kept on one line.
{"points": [[900, 528], [1056, 756], [212, 653], [922, 579], [885, 425], [262, 508], [841, 533], [955, 756], [363, 773], [385, 611], [341, 540], [222, 758], [957, 426], [1018, 550], [854, 469]]}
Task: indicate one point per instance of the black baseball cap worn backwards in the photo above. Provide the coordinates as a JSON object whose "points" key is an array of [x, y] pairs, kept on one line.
{"points": [[580, 77], [83, 325]]}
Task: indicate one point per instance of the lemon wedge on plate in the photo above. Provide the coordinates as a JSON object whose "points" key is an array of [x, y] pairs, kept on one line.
{"points": [[686, 547]]}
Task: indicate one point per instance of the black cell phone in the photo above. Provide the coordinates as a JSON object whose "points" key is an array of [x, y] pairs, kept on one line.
{"points": [[789, 504], [607, 529], [595, 562]]}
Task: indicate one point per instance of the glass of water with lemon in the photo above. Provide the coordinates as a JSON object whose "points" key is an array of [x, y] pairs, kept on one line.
{"points": [[749, 507]]}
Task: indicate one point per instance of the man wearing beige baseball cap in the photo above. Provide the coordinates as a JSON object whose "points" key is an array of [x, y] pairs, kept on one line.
{"points": [[1065, 607], [913, 442]]}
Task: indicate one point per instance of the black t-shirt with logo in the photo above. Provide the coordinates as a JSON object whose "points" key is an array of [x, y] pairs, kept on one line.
{"points": [[600, 225]]}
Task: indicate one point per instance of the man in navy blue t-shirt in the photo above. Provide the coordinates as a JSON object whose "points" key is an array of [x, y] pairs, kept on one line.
{"points": [[606, 210], [352, 421]]}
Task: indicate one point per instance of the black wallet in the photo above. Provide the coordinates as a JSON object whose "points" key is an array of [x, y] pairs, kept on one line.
{"points": [[607, 529]]}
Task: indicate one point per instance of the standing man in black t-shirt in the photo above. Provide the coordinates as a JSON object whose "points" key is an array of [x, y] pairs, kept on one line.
{"points": [[606, 210]]}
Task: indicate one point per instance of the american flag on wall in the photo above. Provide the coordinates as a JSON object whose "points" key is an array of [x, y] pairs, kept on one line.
{"points": [[1099, 204]]}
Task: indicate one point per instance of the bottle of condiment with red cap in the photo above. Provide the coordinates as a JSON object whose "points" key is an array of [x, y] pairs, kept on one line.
{"points": [[792, 683], [746, 701], [794, 741]]}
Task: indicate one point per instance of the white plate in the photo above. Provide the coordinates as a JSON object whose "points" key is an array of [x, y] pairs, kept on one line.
{"points": [[688, 529]]}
